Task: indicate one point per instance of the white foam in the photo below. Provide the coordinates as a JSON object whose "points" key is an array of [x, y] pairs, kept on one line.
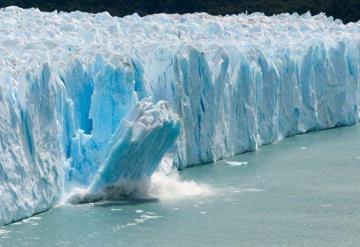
{"points": [[141, 219], [164, 184], [170, 186]]}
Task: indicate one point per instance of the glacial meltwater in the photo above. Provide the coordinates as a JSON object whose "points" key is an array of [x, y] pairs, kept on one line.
{"points": [[303, 191]]}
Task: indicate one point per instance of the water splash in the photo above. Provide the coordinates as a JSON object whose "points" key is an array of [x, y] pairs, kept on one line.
{"points": [[164, 184]]}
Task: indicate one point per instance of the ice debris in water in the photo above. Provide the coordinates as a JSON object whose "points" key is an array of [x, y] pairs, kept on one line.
{"points": [[237, 163], [71, 82]]}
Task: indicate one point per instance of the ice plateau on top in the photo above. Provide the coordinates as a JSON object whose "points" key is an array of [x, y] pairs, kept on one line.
{"points": [[94, 101]]}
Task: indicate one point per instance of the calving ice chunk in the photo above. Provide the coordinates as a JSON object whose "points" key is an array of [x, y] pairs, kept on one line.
{"points": [[133, 153], [82, 95]]}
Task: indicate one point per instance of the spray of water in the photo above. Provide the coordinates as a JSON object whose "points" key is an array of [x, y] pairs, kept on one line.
{"points": [[164, 184]]}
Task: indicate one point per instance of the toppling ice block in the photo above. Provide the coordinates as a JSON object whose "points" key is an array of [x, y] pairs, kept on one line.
{"points": [[137, 147]]}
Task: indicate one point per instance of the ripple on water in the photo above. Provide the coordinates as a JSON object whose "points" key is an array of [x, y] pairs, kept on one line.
{"points": [[143, 217]]}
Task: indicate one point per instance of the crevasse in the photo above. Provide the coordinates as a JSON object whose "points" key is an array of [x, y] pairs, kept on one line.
{"points": [[95, 101]]}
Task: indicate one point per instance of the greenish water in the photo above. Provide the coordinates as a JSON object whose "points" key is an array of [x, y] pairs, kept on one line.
{"points": [[303, 191]]}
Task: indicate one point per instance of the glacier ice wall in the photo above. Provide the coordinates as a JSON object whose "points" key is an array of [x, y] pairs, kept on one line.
{"points": [[31, 149], [70, 82]]}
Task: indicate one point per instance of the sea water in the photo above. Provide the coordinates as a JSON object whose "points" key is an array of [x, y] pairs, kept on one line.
{"points": [[303, 191]]}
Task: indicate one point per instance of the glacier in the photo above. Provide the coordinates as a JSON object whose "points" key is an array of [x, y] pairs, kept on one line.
{"points": [[93, 101]]}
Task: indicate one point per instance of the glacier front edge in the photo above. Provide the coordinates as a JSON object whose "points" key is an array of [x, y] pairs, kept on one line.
{"points": [[69, 81]]}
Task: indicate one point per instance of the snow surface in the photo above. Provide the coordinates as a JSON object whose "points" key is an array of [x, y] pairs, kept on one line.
{"points": [[68, 82]]}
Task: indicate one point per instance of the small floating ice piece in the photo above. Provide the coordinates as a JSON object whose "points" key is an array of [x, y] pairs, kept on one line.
{"points": [[3, 232], [147, 216], [237, 163], [116, 209], [252, 190], [35, 218], [240, 190]]}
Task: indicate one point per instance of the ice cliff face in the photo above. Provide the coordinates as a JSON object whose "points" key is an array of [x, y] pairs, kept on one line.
{"points": [[94, 100]]}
